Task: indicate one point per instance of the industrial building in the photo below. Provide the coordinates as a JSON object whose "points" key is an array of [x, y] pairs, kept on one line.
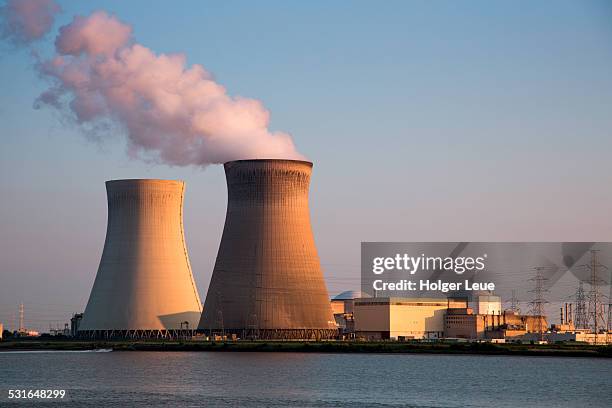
{"points": [[578, 335], [75, 323], [267, 281], [473, 315], [437, 318], [464, 323], [343, 302], [479, 316], [485, 303], [343, 307], [399, 318], [144, 287]]}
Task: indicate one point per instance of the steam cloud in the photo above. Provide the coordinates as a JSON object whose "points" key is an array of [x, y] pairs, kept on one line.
{"points": [[23, 21], [171, 112]]}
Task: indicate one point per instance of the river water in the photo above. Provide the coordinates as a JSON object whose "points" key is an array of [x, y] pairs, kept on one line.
{"points": [[248, 379]]}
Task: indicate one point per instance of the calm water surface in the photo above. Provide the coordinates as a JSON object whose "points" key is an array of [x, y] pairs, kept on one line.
{"points": [[308, 380]]}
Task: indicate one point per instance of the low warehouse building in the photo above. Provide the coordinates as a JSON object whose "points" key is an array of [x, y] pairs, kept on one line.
{"points": [[396, 318], [464, 323]]}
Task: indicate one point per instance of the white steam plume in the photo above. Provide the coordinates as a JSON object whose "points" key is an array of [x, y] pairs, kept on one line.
{"points": [[169, 111]]}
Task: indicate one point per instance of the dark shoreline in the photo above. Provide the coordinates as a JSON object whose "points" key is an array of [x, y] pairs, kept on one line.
{"points": [[558, 350]]}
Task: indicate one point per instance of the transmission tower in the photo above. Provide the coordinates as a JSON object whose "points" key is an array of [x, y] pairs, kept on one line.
{"points": [[538, 302], [609, 325], [609, 318], [595, 313], [580, 314], [514, 303]]}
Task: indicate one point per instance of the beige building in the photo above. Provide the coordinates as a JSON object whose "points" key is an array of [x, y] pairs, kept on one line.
{"points": [[396, 318], [581, 336], [485, 304], [144, 286], [462, 322], [343, 306], [343, 303], [338, 306], [591, 338], [481, 302]]}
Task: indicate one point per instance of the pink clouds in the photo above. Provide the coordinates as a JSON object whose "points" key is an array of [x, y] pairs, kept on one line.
{"points": [[97, 34], [169, 111], [24, 21]]}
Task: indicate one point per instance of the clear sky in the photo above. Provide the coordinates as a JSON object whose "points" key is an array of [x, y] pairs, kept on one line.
{"points": [[426, 121]]}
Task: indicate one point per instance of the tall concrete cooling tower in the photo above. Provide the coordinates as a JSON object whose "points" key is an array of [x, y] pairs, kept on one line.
{"points": [[144, 287], [267, 281]]}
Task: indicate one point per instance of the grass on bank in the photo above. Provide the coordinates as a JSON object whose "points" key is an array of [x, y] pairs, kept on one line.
{"points": [[572, 350]]}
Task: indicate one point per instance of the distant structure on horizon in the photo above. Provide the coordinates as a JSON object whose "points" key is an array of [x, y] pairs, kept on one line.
{"points": [[144, 287], [267, 281]]}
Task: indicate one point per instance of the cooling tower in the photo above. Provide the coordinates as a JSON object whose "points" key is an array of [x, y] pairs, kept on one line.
{"points": [[144, 286], [267, 281]]}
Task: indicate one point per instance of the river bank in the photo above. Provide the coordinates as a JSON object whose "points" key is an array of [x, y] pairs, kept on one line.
{"points": [[560, 350]]}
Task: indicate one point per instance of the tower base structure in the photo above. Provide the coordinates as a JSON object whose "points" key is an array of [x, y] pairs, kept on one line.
{"points": [[172, 334], [274, 334]]}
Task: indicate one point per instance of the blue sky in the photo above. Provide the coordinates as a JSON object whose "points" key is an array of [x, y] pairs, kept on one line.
{"points": [[440, 121]]}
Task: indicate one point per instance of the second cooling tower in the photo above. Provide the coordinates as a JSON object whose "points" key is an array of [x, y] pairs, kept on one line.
{"points": [[144, 286], [267, 281]]}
